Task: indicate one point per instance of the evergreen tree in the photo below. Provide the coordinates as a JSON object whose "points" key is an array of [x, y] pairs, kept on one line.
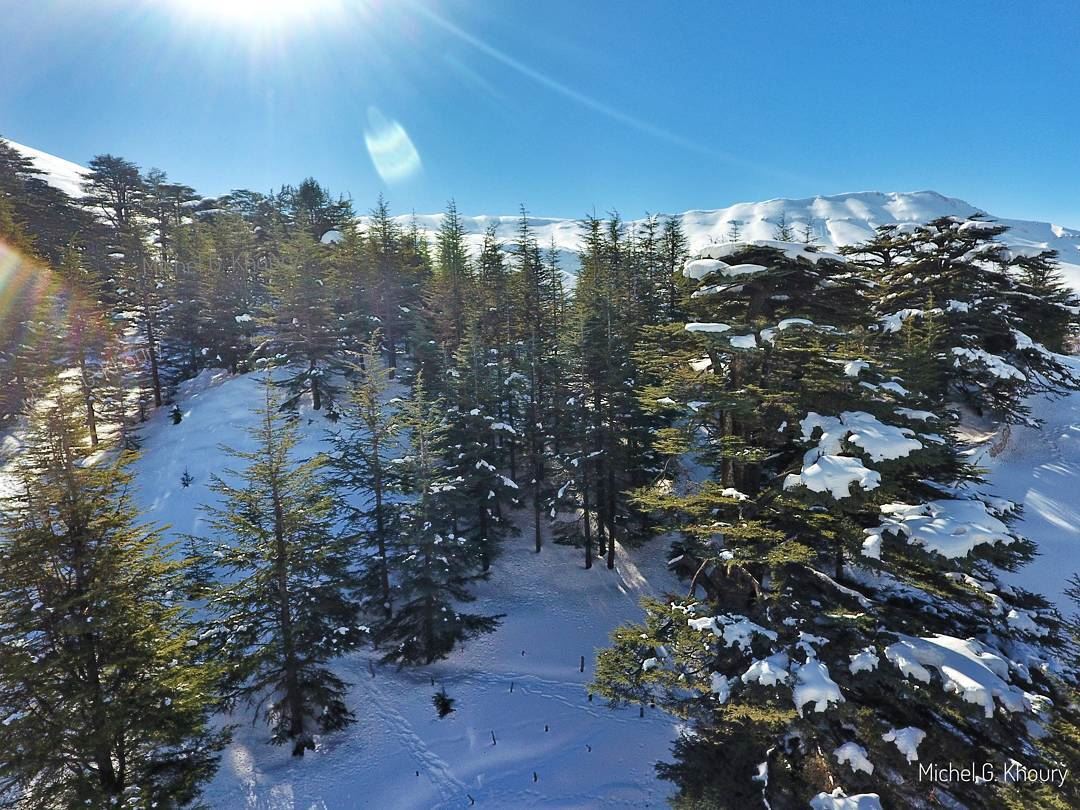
{"points": [[279, 580], [783, 231], [432, 563], [306, 334], [362, 462], [823, 590], [534, 365], [956, 271], [115, 187], [105, 697]]}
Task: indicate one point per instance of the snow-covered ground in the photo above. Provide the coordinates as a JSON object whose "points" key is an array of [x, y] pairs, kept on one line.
{"points": [[399, 754], [840, 219], [1040, 469]]}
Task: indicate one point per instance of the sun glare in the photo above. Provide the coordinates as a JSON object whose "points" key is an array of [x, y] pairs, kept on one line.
{"points": [[260, 13]]}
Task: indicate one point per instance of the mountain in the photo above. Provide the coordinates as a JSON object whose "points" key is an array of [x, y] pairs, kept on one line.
{"points": [[839, 219]]}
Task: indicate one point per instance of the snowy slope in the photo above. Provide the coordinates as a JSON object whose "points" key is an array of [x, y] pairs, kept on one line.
{"points": [[63, 174], [840, 219], [1040, 469], [399, 754]]}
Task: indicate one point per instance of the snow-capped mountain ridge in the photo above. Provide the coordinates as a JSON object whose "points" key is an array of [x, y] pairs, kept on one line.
{"points": [[835, 220]]}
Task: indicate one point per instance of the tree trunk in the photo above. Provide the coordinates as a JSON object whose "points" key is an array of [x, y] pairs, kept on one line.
{"points": [[587, 516], [151, 349], [293, 699], [316, 394], [380, 527], [88, 399]]}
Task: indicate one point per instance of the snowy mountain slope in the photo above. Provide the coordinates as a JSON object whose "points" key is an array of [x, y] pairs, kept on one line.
{"points": [[63, 174], [399, 754], [840, 219], [1040, 470]]}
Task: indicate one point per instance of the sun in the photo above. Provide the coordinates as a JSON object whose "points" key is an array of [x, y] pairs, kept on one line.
{"points": [[259, 14]]}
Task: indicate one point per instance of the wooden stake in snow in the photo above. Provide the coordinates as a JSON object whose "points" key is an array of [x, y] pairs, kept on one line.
{"points": [[535, 777], [511, 687], [493, 740], [582, 667]]}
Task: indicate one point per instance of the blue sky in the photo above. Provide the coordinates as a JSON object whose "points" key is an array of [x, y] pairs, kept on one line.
{"points": [[568, 106]]}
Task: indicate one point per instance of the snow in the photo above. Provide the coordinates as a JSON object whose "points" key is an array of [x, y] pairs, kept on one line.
{"points": [[950, 527], [720, 686], [743, 341], [838, 800], [992, 362], [399, 754], [855, 756], [698, 269], [865, 661], [707, 327], [813, 685], [906, 740], [824, 470], [768, 671], [918, 416], [736, 631], [895, 321], [59, 173], [833, 474], [1040, 468], [853, 368], [880, 441], [966, 668], [791, 250]]}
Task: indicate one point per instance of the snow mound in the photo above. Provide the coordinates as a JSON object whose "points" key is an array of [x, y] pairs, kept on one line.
{"points": [[906, 740], [837, 800], [813, 685], [966, 668], [736, 631], [854, 755], [950, 527]]}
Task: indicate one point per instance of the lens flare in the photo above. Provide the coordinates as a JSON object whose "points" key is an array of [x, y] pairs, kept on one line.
{"points": [[391, 150]]}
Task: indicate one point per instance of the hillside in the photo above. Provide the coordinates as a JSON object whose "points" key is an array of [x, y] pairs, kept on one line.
{"points": [[523, 682], [840, 219]]}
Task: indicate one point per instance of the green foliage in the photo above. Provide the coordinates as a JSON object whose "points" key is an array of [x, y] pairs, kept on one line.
{"points": [[105, 686], [279, 580]]}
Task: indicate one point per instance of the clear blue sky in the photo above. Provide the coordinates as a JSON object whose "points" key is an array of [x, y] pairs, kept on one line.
{"points": [[565, 105]]}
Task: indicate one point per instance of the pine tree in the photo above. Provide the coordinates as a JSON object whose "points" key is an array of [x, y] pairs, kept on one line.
{"points": [[482, 494], [115, 187], [822, 588], [673, 249], [956, 271], [783, 231], [450, 285], [306, 334], [433, 565], [362, 462], [390, 288], [608, 327], [105, 694], [534, 365], [279, 580]]}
